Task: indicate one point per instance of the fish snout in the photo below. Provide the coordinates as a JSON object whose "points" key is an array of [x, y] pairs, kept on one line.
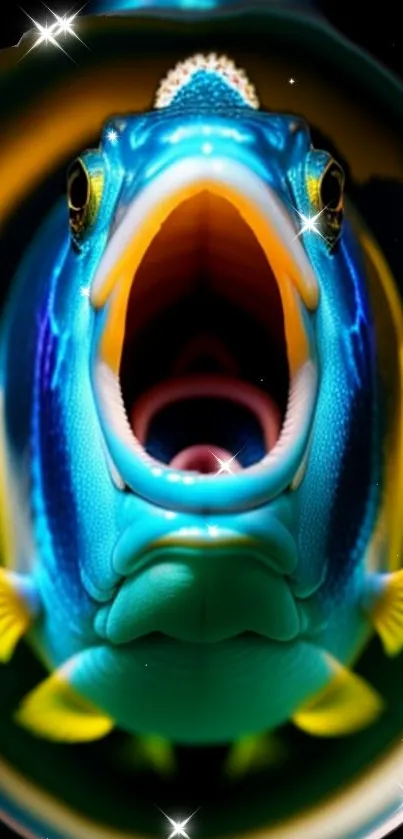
{"points": [[199, 597]]}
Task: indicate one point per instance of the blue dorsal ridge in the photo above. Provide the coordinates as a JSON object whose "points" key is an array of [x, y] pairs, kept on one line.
{"points": [[206, 82]]}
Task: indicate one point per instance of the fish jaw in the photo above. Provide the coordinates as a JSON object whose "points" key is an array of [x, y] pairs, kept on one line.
{"points": [[206, 693], [207, 579], [257, 203], [179, 592]]}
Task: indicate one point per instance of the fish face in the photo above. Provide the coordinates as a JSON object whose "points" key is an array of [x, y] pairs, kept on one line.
{"points": [[221, 311]]}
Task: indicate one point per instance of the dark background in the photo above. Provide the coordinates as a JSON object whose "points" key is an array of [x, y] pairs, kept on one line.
{"points": [[375, 28]]}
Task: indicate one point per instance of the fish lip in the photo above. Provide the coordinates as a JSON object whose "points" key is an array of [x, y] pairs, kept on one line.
{"points": [[203, 494], [275, 473], [242, 634], [156, 553], [127, 560]]}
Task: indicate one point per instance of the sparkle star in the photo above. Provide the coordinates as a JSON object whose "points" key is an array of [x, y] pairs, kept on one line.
{"points": [[291, 81], [46, 35], [309, 224], [85, 291], [225, 465], [62, 25], [113, 136], [65, 24], [179, 827]]}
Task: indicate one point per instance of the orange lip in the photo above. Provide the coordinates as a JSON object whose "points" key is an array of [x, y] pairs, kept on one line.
{"points": [[114, 288]]}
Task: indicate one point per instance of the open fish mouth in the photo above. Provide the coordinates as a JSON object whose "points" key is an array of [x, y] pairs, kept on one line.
{"points": [[205, 365]]}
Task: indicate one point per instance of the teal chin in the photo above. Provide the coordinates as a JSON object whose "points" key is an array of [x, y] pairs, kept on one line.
{"points": [[194, 693]]}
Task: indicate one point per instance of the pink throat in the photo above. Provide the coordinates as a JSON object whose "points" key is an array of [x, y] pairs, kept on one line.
{"points": [[205, 457]]}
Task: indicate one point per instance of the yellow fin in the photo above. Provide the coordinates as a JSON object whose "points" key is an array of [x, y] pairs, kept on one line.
{"points": [[387, 613], [151, 752], [15, 614], [55, 711], [253, 753], [346, 705]]}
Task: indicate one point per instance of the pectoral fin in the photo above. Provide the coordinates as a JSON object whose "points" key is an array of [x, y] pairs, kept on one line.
{"points": [[384, 605], [150, 752], [55, 711], [253, 753], [18, 606], [346, 705]]}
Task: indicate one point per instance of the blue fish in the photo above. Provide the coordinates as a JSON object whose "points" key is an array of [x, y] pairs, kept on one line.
{"points": [[198, 526]]}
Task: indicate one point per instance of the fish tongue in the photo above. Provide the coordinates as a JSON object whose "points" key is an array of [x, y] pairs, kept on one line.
{"points": [[204, 455], [206, 460]]}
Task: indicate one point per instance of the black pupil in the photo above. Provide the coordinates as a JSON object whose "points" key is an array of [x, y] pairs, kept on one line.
{"points": [[331, 188], [78, 188]]}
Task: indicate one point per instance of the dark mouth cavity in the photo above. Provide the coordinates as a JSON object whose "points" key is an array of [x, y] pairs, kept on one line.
{"points": [[205, 308]]}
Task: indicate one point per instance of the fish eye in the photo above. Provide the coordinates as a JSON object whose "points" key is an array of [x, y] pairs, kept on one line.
{"points": [[330, 200], [78, 187], [331, 187], [78, 194], [84, 189]]}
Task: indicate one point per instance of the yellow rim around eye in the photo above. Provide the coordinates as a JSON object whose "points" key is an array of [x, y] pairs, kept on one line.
{"points": [[331, 188], [312, 186], [84, 190]]}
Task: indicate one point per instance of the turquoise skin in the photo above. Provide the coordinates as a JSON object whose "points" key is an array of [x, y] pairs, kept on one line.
{"points": [[188, 641], [100, 6]]}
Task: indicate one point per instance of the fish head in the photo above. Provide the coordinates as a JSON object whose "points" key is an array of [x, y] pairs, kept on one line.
{"points": [[229, 359]]}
